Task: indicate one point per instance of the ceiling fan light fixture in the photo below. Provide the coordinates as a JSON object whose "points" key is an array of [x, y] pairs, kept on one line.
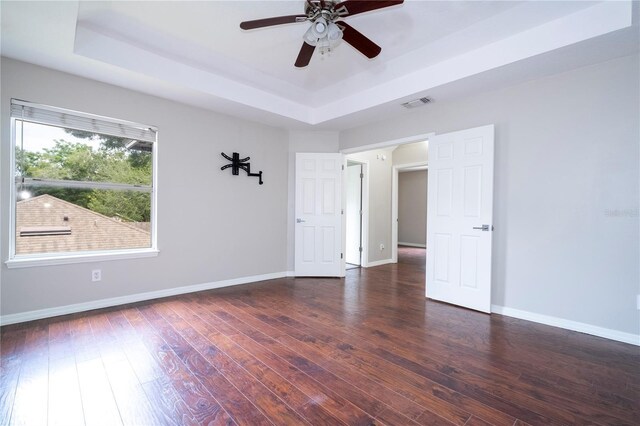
{"points": [[310, 37], [334, 33], [320, 27], [317, 31]]}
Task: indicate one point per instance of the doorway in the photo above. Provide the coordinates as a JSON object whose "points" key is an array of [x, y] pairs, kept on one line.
{"points": [[412, 220], [354, 215], [409, 206]]}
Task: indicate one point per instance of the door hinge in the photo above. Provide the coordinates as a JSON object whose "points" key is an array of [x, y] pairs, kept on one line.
{"points": [[360, 249], [340, 255], [361, 175], [361, 213], [343, 167]]}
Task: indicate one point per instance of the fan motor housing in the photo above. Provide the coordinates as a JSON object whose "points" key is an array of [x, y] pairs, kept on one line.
{"points": [[314, 10]]}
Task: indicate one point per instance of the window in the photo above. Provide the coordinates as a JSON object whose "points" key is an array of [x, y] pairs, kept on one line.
{"points": [[83, 187]]}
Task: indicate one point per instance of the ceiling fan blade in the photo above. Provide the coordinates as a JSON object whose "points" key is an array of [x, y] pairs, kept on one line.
{"points": [[268, 22], [356, 39], [353, 7], [304, 57]]}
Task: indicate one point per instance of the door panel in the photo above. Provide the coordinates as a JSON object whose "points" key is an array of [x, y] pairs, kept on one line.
{"points": [[461, 197], [318, 227]]}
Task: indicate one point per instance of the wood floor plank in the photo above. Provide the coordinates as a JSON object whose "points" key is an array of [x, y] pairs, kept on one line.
{"points": [[158, 388], [60, 340], [11, 349], [144, 365], [328, 360], [545, 404], [364, 350], [259, 345], [168, 405], [98, 400], [31, 398], [8, 387], [474, 421], [196, 397], [285, 390], [65, 400], [133, 405], [428, 393], [30, 405], [289, 350], [431, 371], [273, 408], [221, 390], [320, 340], [436, 367]]}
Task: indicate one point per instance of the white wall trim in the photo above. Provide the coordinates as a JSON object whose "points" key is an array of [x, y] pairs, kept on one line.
{"points": [[607, 333], [132, 298], [80, 257], [400, 243], [378, 263]]}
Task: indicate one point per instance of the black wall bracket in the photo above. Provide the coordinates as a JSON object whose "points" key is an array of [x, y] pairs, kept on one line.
{"points": [[238, 163]]}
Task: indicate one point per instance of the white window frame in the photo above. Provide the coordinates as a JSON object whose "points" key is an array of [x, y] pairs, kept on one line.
{"points": [[45, 259]]}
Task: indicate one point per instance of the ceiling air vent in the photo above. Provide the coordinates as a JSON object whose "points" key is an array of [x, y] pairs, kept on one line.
{"points": [[417, 102]]}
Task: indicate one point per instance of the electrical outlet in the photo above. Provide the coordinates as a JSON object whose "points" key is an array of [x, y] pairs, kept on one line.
{"points": [[96, 275], [381, 246]]}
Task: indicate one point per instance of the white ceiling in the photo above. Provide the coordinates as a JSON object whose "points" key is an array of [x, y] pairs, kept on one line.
{"points": [[195, 52]]}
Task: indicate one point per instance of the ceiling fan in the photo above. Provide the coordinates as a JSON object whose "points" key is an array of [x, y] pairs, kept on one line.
{"points": [[327, 28]]}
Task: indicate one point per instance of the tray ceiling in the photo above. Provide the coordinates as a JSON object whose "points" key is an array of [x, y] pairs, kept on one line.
{"points": [[195, 52]]}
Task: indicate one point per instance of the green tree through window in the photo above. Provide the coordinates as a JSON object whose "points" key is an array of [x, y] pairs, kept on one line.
{"points": [[111, 162]]}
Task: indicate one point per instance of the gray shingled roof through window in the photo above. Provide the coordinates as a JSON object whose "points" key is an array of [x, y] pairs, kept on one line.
{"points": [[90, 231]]}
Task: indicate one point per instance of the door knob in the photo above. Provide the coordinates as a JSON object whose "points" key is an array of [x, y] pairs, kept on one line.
{"points": [[300, 220], [483, 227]]}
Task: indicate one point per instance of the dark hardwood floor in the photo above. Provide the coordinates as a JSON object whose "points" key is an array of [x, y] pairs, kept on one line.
{"points": [[368, 349]]}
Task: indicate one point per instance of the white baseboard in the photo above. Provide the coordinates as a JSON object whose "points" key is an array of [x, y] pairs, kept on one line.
{"points": [[139, 297], [378, 262], [412, 245], [607, 333]]}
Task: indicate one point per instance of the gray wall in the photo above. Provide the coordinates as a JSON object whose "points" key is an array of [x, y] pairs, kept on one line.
{"points": [[211, 225], [566, 188], [412, 207], [566, 192]]}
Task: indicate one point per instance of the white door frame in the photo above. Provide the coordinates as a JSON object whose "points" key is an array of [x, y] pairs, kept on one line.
{"points": [[364, 260], [420, 165]]}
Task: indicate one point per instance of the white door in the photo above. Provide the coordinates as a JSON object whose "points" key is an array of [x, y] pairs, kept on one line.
{"points": [[459, 223], [318, 228]]}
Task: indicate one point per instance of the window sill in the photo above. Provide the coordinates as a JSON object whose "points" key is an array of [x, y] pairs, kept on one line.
{"points": [[28, 262]]}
